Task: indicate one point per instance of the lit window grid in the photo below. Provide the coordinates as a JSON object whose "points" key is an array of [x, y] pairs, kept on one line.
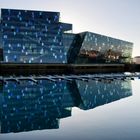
{"points": [[20, 31]]}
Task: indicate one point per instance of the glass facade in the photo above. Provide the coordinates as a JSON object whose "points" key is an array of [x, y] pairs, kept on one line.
{"points": [[32, 36], [39, 37], [94, 48], [68, 39]]}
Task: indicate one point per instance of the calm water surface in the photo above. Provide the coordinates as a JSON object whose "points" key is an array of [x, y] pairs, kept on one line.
{"points": [[86, 110]]}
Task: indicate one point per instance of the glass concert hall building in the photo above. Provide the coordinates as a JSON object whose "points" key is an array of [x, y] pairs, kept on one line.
{"points": [[39, 37]]}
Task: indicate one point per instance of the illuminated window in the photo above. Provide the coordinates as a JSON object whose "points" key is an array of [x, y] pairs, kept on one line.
{"points": [[9, 51], [5, 36], [6, 58]]}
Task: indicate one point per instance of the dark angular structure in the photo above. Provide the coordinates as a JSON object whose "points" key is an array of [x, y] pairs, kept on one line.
{"points": [[39, 37], [90, 48], [1, 54]]}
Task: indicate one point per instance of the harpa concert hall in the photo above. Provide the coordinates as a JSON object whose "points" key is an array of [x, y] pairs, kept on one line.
{"points": [[39, 37]]}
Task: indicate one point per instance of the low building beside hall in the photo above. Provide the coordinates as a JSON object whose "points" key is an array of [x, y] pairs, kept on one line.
{"points": [[136, 60]]}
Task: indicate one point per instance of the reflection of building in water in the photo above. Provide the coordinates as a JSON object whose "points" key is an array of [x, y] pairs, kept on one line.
{"points": [[95, 93], [28, 106]]}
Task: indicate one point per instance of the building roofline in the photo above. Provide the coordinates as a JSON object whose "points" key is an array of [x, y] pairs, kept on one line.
{"points": [[106, 36], [33, 10]]}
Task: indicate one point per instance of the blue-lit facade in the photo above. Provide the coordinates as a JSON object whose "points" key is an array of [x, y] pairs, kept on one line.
{"points": [[32, 36], [39, 37], [28, 106]]}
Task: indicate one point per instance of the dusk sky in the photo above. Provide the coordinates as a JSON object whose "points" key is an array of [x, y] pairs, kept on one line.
{"points": [[116, 18]]}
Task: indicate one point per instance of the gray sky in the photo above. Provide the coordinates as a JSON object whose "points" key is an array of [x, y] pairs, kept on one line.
{"points": [[115, 18]]}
